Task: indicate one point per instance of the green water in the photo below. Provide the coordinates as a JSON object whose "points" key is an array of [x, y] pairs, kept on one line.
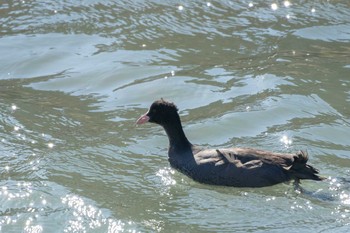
{"points": [[75, 76]]}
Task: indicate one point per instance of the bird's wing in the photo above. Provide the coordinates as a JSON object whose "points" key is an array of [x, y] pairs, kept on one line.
{"points": [[231, 157]]}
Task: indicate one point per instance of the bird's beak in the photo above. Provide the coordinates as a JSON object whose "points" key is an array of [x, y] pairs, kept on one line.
{"points": [[143, 119]]}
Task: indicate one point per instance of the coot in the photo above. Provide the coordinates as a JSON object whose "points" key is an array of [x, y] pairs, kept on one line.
{"points": [[239, 167]]}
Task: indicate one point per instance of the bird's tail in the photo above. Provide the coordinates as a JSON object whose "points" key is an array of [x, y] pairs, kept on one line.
{"points": [[300, 170]]}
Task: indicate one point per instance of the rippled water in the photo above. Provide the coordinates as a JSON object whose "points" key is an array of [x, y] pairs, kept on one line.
{"points": [[75, 75]]}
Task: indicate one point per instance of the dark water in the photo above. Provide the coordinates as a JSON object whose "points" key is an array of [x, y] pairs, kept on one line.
{"points": [[75, 75]]}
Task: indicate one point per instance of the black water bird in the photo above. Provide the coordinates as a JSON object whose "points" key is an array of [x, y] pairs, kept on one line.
{"points": [[238, 167]]}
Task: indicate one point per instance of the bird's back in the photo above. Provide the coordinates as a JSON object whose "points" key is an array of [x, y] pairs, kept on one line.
{"points": [[243, 167]]}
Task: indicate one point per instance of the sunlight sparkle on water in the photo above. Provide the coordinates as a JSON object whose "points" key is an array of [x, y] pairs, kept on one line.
{"points": [[115, 226], [274, 6], [297, 205], [180, 8], [334, 184], [87, 216], [286, 141], [23, 191], [286, 3], [166, 176], [345, 198], [33, 229]]}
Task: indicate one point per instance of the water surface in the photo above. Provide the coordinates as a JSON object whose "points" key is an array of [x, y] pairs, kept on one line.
{"points": [[74, 77]]}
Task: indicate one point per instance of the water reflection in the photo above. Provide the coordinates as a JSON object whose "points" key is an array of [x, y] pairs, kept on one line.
{"points": [[32, 228], [30, 206], [75, 75], [166, 176], [340, 188], [286, 141], [85, 216]]}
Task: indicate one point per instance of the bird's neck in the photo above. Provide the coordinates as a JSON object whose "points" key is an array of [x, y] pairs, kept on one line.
{"points": [[178, 141]]}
